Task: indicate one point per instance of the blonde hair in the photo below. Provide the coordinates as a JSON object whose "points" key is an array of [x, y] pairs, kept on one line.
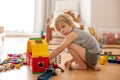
{"points": [[72, 14], [63, 18]]}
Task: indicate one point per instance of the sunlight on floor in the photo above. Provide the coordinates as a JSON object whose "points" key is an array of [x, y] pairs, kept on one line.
{"points": [[13, 45]]}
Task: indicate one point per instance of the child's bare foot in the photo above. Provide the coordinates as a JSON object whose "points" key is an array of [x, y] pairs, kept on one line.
{"points": [[75, 66], [78, 67], [97, 67]]}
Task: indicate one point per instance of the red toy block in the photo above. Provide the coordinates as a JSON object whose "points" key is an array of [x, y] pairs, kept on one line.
{"points": [[29, 57], [43, 37], [39, 64]]}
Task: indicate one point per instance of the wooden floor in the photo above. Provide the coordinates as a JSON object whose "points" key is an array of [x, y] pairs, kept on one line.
{"points": [[18, 45]]}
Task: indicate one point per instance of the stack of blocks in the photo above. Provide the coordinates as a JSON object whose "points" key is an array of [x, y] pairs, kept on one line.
{"points": [[37, 55]]}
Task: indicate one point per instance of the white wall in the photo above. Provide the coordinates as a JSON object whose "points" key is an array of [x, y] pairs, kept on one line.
{"points": [[85, 12], [105, 15]]}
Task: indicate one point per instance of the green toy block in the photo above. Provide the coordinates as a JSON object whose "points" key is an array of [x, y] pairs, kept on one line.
{"points": [[35, 38], [111, 57]]}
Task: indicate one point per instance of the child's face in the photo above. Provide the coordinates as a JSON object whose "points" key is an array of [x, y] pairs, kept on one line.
{"points": [[64, 29]]}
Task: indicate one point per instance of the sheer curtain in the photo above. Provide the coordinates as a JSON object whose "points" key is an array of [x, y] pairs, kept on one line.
{"points": [[17, 15], [49, 6]]}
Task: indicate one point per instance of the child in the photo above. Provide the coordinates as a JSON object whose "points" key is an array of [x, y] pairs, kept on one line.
{"points": [[75, 19], [82, 46]]}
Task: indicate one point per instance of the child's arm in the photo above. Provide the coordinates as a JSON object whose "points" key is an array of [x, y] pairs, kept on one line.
{"points": [[67, 41], [70, 61]]}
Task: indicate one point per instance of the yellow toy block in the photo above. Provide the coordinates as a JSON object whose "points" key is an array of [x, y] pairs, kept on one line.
{"points": [[37, 48], [103, 60]]}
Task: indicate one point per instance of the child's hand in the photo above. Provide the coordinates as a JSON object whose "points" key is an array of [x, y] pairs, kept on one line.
{"points": [[68, 63]]}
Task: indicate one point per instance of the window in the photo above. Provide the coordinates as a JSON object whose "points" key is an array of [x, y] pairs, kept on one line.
{"points": [[17, 15]]}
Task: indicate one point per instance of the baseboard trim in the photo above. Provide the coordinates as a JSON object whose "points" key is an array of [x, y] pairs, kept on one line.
{"points": [[22, 34]]}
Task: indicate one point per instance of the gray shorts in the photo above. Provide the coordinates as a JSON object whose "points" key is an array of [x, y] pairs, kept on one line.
{"points": [[91, 58]]}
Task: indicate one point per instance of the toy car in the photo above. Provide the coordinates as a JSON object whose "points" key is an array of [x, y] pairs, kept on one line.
{"points": [[49, 72], [14, 55], [14, 60]]}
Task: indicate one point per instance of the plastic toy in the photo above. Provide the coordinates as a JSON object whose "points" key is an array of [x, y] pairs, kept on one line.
{"points": [[12, 61], [37, 47], [4, 62], [109, 57], [43, 34], [117, 57], [14, 55], [103, 60], [1, 68], [55, 66], [37, 55], [114, 61], [111, 38], [6, 67], [110, 54], [57, 59], [17, 66], [49, 72], [15, 58]]}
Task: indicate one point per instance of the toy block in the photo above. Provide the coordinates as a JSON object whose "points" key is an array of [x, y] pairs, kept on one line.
{"points": [[35, 38], [49, 72], [114, 61], [29, 57], [39, 64], [103, 60], [37, 55], [37, 48], [111, 57]]}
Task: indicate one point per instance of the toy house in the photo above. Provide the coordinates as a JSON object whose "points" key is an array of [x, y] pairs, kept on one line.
{"points": [[37, 55]]}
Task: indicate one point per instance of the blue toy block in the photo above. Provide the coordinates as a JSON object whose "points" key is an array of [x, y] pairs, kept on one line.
{"points": [[49, 72], [114, 61]]}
